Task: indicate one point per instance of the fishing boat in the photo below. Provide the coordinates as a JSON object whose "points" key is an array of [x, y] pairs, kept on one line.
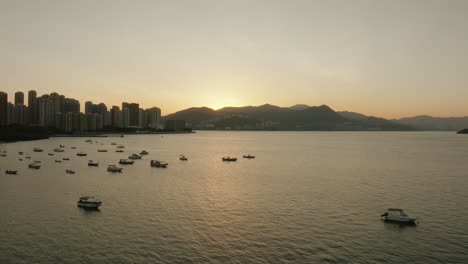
{"points": [[120, 146], [158, 164], [398, 215], [3, 155], [50, 154], [113, 143], [20, 153], [93, 163], [126, 161], [183, 158], [66, 158], [34, 165], [134, 156], [89, 140], [119, 150], [58, 150], [62, 146], [73, 147], [58, 161], [229, 159], [28, 157], [144, 152], [89, 202], [248, 157], [102, 150], [37, 150], [70, 171], [11, 172], [113, 168], [81, 154]]}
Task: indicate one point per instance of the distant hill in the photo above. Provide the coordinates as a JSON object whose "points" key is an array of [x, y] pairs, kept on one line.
{"points": [[425, 122], [352, 115], [271, 117]]}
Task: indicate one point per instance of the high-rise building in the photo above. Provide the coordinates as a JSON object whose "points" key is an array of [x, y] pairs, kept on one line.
{"points": [[32, 107], [115, 116], [153, 118], [19, 98], [125, 117], [3, 109], [20, 114], [71, 106], [11, 113], [133, 112], [62, 103]]}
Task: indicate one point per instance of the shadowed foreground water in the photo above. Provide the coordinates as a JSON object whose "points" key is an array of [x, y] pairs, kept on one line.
{"points": [[308, 197]]}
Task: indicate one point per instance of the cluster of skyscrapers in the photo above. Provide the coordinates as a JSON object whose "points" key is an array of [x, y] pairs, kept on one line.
{"points": [[56, 111]]}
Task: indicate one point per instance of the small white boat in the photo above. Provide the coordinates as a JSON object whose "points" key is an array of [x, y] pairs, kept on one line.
{"points": [[89, 202], [93, 163], [58, 150], [398, 215], [126, 161], [159, 164], [183, 158], [81, 154], [113, 168], [38, 150], [144, 152], [134, 156], [34, 165], [70, 171]]}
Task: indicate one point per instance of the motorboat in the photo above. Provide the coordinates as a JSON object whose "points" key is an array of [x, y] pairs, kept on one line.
{"points": [[37, 161], [89, 202], [93, 163], [120, 146], [50, 154], [119, 150], [398, 215], [134, 156], [113, 168], [229, 159], [70, 171], [34, 165], [126, 161], [28, 157], [11, 172], [113, 143], [37, 150], [66, 158], [58, 161], [62, 146], [144, 152], [102, 150], [248, 157], [20, 159], [159, 164], [73, 147], [121, 135], [3, 155], [58, 150], [183, 158], [20, 153], [82, 154], [89, 140]]}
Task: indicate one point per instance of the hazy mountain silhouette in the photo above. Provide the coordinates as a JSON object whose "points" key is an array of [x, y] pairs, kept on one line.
{"points": [[426, 122], [271, 117]]}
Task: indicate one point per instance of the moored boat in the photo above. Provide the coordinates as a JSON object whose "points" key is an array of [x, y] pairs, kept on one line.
{"points": [[11, 172], [93, 163], [58, 161], [34, 165], [248, 157], [38, 150], [126, 161], [58, 150], [70, 171], [89, 202], [229, 159], [183, 158], [158, 164], [119, 150], [66, 158], [113, 168], [134, 156], [81, 154], [120, 146], [102, 150], [144, 152], [50, 154]]}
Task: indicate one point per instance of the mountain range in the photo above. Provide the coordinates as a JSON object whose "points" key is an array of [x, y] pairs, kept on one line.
{"points": [[271, 117]]}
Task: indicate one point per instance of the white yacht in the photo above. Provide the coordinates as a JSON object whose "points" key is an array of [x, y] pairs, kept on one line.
{"points": [[89, 202], [398, 215]]}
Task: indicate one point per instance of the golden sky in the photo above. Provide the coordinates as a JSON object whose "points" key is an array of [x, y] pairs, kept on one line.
{"points": [[391, 58]]}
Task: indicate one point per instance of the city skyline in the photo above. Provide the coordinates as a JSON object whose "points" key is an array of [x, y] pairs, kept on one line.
{"points": [[389, 59]]}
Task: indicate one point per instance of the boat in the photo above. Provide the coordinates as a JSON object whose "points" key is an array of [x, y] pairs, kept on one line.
{"points": [[50, 154], [66, 158], [398, 215], [119, 150], [158, 164], [144, 152], [73, 147], [102, 150], [182, 157], [28, 157], [58, 150], [70, 171], [113, 143], [3, 155], [11, 172], [37, 161], [134, 156], [120, 146], [20, 159], [89, 140], [34, 165], [122, 135], [82, 154], [62, 146], [229, 159], [93, 163], [126, 161], [89, 202], [113, 168], [37, 150], [58, 161], [20, 153], [248, 157]]}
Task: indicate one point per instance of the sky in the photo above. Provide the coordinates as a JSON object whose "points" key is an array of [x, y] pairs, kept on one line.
{"points": [[386, 58]]}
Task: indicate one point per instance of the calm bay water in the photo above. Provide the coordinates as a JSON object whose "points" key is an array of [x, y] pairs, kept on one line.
{"points": [[308, 197]]}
